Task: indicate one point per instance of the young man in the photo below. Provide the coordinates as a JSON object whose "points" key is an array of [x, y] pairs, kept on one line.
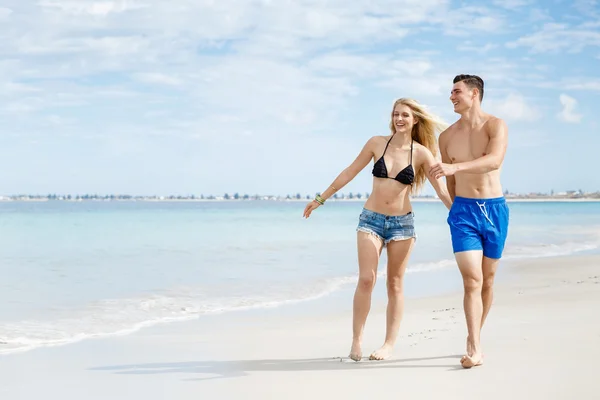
{"points": [[473, 151]]}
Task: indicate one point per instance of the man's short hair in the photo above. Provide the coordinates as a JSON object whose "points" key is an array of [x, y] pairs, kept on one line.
{"points": [[472, 81]]}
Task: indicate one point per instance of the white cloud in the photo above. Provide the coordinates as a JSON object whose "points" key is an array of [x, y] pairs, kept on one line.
{"points": [[415, 83], [568, 113], [192, 81], [555, 37], [525, 138], [339, 62], [469, 20], [514, 107], [97, 46], [228, 66], [154, 77], [592, 84], [472, 48], [587, 7], [97, 8], [264, 62], [5, 13], [538, 14], [512, 4], [577, 83]]}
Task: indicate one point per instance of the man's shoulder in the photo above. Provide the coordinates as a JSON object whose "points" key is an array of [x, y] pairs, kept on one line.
{"points": [[448, 132], [493, 120], [493, 123]]}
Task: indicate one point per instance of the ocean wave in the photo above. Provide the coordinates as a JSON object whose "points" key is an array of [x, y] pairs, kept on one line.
{"points": [[548, 250], [124, 316]]}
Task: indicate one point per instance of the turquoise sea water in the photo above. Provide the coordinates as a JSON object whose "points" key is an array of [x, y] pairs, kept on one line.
{"points": [[73, 270]]}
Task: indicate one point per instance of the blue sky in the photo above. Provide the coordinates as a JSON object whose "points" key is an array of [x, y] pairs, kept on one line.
{"points": [[278, 96]]}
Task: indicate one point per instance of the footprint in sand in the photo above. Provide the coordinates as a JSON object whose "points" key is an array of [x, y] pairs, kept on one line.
{"points": [[444, 309]]}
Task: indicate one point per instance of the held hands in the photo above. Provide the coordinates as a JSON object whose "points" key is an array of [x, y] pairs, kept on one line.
{"points": [[310, 207], [441, 169]]}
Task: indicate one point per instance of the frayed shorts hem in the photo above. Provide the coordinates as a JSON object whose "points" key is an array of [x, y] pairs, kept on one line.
{"points": [[385, 241]]}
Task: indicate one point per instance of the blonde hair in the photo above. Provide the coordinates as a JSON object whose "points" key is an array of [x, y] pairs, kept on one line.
{"points": [[424, 132]]}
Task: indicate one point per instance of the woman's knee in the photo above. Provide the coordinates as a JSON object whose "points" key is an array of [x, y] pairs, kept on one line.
{"points": [[366, 282], [394, 285]]}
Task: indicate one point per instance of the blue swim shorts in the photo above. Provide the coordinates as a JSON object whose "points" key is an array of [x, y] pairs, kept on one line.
{"points": [[479, 224], [387, 227]]}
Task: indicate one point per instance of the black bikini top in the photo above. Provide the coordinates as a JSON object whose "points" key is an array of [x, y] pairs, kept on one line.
{"points": [[406, 176]]}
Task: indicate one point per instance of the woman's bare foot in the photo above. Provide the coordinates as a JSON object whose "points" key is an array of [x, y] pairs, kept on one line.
{"points": [[472, 361], [469, 351], [355, 351], [383, 353]]}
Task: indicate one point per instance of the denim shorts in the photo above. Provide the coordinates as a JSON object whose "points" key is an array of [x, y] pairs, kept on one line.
{"points": [[479, 224], [387, 227]]}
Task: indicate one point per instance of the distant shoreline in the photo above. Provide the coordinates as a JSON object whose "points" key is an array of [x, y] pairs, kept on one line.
{"points": [[220, 200]]}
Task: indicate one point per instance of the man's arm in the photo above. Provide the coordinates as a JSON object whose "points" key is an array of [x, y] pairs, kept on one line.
{"points": [[492, 160], [450, 181], [496, 150]]}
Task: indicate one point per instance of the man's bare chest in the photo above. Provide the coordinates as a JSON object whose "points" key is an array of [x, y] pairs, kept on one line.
{"points": [[467, 146]]}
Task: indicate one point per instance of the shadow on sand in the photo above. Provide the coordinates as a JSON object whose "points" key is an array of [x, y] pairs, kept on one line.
{"points": [[237, 368]]}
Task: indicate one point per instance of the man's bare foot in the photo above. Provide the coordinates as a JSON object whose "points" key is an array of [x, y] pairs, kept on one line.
{"points": [[355, 351], [472, 361], [383, 353]]}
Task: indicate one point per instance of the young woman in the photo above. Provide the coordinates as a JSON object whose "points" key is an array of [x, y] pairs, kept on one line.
{"points": [[401, 162]]}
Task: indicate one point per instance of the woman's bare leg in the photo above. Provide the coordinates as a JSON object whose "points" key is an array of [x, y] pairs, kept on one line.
{"points": [[398, 255], [369, 250]]}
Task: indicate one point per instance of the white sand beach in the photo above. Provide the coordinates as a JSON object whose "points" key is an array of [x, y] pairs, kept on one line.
{"points": [[541, 341]]}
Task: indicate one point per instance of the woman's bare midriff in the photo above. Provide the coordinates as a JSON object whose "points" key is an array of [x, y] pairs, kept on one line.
{"points": [[389, 197]]}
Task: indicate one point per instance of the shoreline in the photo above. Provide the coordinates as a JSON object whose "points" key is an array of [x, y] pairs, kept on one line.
{"points": [[283, 355], [283, 200], [418, 285]]}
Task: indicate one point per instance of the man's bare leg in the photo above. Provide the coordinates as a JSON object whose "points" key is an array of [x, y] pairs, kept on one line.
{"points": [[489, 267], [470, 265], [398, 254], [369, 250]]}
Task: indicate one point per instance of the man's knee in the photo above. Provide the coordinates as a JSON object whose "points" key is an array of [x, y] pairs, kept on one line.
{"points": [[472, 283], [488, 282]]}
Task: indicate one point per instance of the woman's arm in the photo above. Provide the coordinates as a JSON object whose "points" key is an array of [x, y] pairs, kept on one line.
{"points": [[349, 173], [438, 184], [450, 180]]}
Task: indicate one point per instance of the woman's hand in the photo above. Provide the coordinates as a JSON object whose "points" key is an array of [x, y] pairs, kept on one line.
{"points": [[310, 207]]}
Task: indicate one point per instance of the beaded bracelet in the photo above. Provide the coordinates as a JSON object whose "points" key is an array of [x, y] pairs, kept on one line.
{"points": [[319, 199]]}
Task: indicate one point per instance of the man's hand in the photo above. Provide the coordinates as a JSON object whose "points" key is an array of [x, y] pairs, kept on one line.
{"points": [[442, 169]]}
